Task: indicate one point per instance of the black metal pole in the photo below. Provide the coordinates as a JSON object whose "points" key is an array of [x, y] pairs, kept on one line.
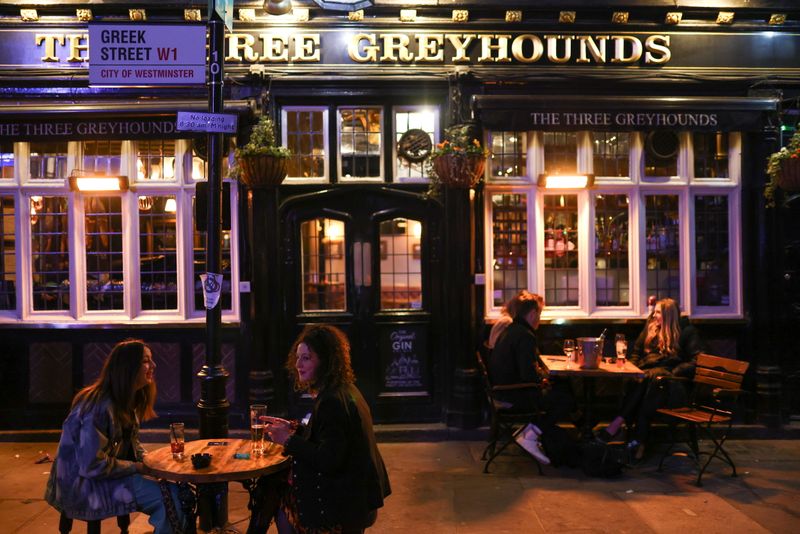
{"points": [[213, 406]]}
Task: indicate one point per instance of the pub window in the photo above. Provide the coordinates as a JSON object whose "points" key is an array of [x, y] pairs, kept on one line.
{"points": [[6, 160], [612, 278], [199, 244], [712, 252], [560, 152], [360, 145], [509, 154], [305, 131], [102, 156], [710, 150], [561, 250], [662, 246], [8, 253], [49, 253], [104, 272], [323, 262], [509, 245], [155, 160], [661, 149], [406, 119], [401, 264], [158, 253], [48, 160], [611, 152]]}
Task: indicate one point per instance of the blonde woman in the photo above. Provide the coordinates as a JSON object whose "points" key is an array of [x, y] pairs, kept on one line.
{"points": [[662, 349]]}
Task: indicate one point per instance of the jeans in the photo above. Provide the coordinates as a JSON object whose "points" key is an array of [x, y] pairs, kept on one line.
{"points": [[149, 501]]}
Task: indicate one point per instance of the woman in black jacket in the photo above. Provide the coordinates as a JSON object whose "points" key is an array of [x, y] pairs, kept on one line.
{"points": [[338, 479], [665, 348]]}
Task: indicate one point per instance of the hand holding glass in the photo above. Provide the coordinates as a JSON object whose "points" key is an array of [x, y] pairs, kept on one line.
{"points": [[621, 345], [258, 417], [176, 440], [569, 350]]}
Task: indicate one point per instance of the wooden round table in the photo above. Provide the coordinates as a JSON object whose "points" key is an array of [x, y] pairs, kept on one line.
{"points": [[212, 480]]}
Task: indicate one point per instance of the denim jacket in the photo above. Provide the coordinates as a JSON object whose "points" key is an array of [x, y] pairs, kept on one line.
{"points": [[87, 480]]}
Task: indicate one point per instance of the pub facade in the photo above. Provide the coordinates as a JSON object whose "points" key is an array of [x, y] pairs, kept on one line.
{"points": [[628, 147]]}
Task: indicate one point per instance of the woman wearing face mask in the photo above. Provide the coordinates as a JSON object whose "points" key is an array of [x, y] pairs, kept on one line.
{"points": [[338, 479], [662, 349]]}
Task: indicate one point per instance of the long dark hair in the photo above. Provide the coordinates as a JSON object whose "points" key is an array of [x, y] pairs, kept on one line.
{"points": [[116, 383], [333, 350]]}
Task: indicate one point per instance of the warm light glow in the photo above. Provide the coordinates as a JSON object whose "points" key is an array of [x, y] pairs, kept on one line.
{"points": [[334, 230], [565, 181], [416, 229], [170, 206], [98, 183]]}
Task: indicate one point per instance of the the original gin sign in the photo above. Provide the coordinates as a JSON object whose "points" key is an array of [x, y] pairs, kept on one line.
{"points": [[147, 54]]}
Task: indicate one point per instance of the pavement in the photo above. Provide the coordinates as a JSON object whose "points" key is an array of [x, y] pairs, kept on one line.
{"points": [[439, 487]]}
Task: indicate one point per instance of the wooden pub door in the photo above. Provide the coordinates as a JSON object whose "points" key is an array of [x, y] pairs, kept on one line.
{"points": [[365, 259]]}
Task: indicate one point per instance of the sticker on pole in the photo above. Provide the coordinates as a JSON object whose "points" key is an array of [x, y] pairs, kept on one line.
{"points": [[212, 287]]}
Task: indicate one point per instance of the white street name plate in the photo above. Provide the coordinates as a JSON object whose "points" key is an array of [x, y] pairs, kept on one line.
{"points": [[147, 54], [193, 121]]}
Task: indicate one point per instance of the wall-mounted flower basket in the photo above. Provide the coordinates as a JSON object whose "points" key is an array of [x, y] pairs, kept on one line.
{"points": [[789, 179], [459, 170], [262, 171]]}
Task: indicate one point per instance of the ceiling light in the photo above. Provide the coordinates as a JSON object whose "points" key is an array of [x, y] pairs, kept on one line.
{"points": [[566, 181], [278, 7], [81, 181]]}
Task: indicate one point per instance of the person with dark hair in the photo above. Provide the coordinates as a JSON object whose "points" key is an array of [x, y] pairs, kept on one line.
{"points": [[666, 347], [513, 361], [97, 472], [338, 478], [506, 318]]}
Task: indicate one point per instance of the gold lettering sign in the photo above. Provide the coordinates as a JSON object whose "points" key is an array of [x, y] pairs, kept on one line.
{"points": [[406, 48]]}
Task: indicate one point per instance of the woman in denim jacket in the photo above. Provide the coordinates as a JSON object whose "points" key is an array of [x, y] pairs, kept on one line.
{"points": [[98, 468]]}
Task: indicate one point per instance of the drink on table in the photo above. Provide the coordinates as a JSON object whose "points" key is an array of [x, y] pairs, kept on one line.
{"points": [[258, 417], [621, 345], [176, 440], [569, 350]]}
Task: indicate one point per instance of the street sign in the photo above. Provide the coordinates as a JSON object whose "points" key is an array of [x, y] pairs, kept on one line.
{"points": [[224, 9], [193, 121], [147, 54]]}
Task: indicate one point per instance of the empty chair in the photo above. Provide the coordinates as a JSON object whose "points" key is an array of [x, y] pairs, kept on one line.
{"points": [[712, 406], [93, 527], [504, 423]]}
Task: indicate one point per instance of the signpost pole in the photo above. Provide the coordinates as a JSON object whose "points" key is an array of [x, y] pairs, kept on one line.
{"points": [[213, 405]]}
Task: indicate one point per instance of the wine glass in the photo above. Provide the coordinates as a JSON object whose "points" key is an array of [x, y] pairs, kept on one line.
{"points": [[569, 350]]}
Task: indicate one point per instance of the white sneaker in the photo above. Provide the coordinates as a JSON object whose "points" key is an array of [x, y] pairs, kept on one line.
{"points": [[533, 446]]}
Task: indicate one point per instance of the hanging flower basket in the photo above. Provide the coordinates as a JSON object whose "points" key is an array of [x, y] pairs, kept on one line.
{"points": [[460, 171], [789, 179], [262, 171]]}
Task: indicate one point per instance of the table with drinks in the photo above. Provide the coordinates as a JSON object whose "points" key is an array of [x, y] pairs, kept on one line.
{"points": [[584, 358], [203, 467]]}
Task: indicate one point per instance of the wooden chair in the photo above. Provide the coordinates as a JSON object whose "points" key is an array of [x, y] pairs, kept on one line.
{"points": [[504, 424], [716, 387], [93, 527]]}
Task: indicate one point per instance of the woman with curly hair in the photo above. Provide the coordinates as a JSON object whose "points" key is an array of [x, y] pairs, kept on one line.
{"points": [[338, 479], [663, 348]]}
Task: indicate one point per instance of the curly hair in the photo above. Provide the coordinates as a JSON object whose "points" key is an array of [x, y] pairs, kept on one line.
{"points": [[333, 350]]}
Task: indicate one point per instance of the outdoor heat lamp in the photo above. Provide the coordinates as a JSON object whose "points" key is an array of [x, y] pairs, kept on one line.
{"points": [[566, 181], [88, 182]]}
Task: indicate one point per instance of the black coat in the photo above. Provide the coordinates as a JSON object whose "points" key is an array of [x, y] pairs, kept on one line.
{"points": [[513, 360], [682, 363], [338, 475]]}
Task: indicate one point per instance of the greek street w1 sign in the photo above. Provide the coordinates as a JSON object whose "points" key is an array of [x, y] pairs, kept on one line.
{"points": [[147, 54]]}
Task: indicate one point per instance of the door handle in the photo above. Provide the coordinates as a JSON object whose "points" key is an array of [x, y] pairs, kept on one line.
{"points": [[358, 271], [366, 255], [362, 264]]}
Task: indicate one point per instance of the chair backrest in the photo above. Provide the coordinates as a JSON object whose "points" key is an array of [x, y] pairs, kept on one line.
{"points": [[718, 372]]}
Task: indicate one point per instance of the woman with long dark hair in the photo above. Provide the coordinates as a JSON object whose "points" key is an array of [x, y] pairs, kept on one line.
{"points": [[97, 472], [338, 479]]}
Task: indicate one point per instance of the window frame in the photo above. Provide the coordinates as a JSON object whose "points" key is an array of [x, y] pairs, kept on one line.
{"points": [[425, 178], [382, 161], [326, 110]]}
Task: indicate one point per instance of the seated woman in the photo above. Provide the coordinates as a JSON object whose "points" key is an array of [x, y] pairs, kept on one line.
{"points": [[507, 314], [338, 477], [97, 472], [662, 349]]}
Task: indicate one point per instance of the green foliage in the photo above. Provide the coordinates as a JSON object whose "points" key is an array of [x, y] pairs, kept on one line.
{"points": [[774, 164], [262, 141]]}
